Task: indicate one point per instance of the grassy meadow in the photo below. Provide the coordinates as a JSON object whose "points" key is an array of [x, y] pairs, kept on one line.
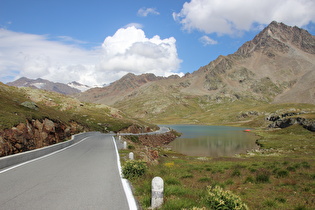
{"points": [[279, 175]]}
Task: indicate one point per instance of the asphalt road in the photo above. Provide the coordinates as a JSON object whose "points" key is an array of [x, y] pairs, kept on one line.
{"points": [[83, 176]]}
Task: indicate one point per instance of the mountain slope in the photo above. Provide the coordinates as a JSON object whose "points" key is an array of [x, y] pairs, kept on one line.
{"points": [[277, 66], [32, 118], [119, 89]]}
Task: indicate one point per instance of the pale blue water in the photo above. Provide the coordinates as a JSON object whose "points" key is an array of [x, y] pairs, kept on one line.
{"points": [[212, 141]]}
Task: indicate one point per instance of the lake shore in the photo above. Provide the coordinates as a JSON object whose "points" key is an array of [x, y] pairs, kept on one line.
{"points": [[283, 164]]}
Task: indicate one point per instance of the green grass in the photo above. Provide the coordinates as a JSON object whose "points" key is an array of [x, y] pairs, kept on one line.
{"points": [[293, 140], [59, 108], [280, 176]]}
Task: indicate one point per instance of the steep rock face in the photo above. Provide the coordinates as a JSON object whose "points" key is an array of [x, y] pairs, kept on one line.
{"points": [[279, 37], [35, 134]]}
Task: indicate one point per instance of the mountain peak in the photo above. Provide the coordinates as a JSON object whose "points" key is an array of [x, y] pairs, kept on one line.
{"points": [[278, 37]]}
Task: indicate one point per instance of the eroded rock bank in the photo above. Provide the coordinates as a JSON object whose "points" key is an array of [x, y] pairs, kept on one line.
{"points": [[135, 128], [34, 134]]}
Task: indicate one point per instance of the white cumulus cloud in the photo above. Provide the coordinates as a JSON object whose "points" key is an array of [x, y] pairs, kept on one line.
{"points": [[232, 16], [128, 50]]}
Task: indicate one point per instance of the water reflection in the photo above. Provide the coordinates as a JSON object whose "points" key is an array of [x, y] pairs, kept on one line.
{"points": [[212, 141]]}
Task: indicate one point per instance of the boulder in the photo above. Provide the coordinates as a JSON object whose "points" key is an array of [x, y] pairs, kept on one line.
{"points": [[30, 105]]}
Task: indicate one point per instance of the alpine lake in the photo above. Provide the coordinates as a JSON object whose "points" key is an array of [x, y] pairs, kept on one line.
{"points": [[212, 141]]}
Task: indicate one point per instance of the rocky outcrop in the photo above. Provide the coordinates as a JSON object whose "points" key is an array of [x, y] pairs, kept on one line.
{"points": [[35, 134], [135, 128], [287, 119], [157, 140]]}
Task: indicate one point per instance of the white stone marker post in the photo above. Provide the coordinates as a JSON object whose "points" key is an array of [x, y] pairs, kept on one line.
{"points": [[157, 192], [125, 145], [131, 156]]}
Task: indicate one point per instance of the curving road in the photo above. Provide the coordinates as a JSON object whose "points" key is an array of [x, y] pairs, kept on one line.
{"points": [[82, 176]]}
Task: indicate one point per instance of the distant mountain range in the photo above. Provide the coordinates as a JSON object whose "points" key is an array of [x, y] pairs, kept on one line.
{"points": [[277, 66], [67, 89]]}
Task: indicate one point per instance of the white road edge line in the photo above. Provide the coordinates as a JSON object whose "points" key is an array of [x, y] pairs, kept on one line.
{"points": [[130, 198], [29, 161]]}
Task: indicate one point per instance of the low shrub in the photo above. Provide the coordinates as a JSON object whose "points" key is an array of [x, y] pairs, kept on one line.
{"points": [[134, 168], [282, 173], [249, 179], [217, 198], [236, 172], [262, 176], [281, 200], [131, 147]]}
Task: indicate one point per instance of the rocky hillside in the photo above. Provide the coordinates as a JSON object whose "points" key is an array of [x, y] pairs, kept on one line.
{"points": [[119, 89], [67, 89], [32, 118], [277, 66]]}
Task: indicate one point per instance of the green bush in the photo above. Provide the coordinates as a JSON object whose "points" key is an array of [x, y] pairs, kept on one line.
{"points": [[131, 147], [134, 168], [217, 198]]}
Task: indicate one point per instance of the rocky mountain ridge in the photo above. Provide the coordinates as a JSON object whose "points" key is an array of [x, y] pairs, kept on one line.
{"points": [[277, 66], [66, 89], [119, 89]]}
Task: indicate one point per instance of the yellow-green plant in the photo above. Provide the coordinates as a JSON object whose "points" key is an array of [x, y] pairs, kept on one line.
{"points": [[217, 198], [134, 168]]}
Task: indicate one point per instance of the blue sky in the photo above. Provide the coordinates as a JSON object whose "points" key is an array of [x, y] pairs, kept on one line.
{"points": [[98, 41]]}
